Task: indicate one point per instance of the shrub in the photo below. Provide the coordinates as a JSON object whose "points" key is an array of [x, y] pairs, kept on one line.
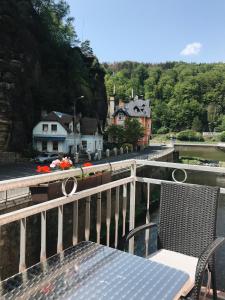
{"points": [[222, 136], [163, 130], [189, 135]]}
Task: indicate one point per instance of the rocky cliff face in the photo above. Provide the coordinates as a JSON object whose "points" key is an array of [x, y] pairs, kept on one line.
{"points": [[36, 74]]}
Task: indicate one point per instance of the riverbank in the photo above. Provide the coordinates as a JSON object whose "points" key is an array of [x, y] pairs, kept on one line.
{"points": [[166, 138]]}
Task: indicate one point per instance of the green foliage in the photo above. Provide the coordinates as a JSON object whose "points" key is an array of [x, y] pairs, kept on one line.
{"points": [[189, 135], [196, 124], [221, 126], [55, 16], [133, 131], [130, 133], [86, 48], [116, 134], [163, 130], [67, 71], [183, 96], [222, 136]]}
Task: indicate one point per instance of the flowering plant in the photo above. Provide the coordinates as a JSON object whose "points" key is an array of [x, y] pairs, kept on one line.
{"points": [[43, 169], [63, 164], [87, 164]]}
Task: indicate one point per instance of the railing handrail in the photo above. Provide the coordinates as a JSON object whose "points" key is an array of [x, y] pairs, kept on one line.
{"points": [[159, 181], [114, 166], [45, 206], [49, 177], [218, 170]]}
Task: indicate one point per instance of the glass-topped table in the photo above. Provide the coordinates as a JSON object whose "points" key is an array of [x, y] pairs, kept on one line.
{"points": [[92, 271]]}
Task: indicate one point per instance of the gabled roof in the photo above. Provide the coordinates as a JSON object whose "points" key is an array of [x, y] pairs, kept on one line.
{"points": [[62, 118], [138, 108], [58, 116], [120, 110], [135, 108], [89, 126]]}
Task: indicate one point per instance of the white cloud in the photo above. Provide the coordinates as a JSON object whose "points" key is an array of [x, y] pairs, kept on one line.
{"points": [[191, 49]]}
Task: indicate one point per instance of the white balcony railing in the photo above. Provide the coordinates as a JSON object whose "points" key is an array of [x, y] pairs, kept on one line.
{"points": [[126, 185]]}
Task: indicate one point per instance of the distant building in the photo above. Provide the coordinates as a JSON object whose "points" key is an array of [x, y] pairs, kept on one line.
{"points": [[56, 133], [138, 109]]}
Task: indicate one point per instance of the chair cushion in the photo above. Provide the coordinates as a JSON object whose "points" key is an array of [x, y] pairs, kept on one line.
{"points": [[178, 261]]}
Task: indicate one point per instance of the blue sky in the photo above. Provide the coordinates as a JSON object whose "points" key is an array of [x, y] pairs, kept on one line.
{"points": [[152, 30]]}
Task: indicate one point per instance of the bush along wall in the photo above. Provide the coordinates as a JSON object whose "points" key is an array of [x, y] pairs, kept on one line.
{"points": [[190, 135]]}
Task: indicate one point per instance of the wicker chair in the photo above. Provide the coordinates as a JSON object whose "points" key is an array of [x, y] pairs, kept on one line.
{"points": [[187, 225]]}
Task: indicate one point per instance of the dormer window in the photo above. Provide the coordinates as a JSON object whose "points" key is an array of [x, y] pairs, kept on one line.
{"points": [[121, 116], [45, 127]]}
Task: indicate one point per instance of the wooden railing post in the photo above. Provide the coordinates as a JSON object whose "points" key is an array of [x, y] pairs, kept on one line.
{"points": [[132, 205]]}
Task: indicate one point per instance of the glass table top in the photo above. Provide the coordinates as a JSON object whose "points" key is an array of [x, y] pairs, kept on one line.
{"points": [[92, 271]]}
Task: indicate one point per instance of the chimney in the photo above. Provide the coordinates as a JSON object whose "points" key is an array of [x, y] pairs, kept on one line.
{"points": [[43, 113], [111, 109], [121, 104]]}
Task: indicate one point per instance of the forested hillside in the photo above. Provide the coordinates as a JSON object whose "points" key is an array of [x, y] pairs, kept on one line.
{"points": [[183, 96], [43, 67]]}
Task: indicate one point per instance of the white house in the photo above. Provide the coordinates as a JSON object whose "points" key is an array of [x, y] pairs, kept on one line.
{"points": [[91, 134], [55, 133]]}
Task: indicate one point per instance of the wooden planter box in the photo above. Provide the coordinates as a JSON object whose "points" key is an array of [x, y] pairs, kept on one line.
{"points": [[53, 190]]}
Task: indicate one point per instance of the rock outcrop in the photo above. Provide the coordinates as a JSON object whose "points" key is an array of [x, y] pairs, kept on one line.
{"points": [[36, 74]]}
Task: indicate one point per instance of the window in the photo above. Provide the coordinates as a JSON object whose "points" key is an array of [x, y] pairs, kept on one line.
{"points": [[84, 144], [55, 146], [121, 116], [54, 127], [44, 145], [45, 127]]}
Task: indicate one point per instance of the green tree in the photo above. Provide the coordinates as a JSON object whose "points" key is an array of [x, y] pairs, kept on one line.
{"points": [[196, 124], [86, 48], [221, 126], [212, 115], [116, 134], [133, 131], [55, 16], [179, 92]]}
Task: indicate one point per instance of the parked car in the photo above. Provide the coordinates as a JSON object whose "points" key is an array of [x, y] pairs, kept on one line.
{"points": [[46, 157]]}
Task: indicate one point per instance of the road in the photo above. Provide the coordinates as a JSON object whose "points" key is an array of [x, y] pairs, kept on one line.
{"points": [[17, 170]]}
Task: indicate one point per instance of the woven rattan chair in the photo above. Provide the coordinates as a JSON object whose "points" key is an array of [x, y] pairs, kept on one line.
{"points": [[187, 226]]}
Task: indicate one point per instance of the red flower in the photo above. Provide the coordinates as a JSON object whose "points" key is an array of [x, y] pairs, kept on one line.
{"points": [[87, 164], [43, 169], [65, 165]]}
